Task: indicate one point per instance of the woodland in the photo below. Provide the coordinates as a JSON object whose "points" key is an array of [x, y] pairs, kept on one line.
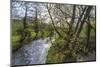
{"points": [[70, 27]]}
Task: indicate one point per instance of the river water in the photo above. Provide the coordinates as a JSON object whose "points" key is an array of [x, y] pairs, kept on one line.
{"points": [[34, 53]]}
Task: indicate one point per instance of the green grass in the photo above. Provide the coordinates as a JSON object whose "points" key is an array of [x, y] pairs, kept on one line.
{"points": [[54, 54], [15, 41], [33, 34], [16, 38]]}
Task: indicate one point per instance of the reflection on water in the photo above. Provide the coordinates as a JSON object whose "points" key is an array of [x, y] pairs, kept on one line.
{"points": [[34, 53]]}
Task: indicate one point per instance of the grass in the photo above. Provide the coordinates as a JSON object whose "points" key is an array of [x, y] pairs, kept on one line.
{"points": [[15, 41], [54, 53]]}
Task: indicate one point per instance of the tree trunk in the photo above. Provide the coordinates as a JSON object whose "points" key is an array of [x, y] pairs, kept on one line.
{"points": [[84, 19], [53, 23], [36, 22], [80, 18]]}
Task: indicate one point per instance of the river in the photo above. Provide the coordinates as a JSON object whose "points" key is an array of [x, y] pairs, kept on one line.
{"points": [[34, 53]]}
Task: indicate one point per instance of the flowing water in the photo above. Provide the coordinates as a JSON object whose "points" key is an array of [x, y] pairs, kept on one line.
{"points": [[34, 53]]}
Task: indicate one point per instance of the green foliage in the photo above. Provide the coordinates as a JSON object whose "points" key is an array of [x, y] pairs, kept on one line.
{"points": [[16, 25], [33, 34], [56, 52], [15, 41], [29, 33]]}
